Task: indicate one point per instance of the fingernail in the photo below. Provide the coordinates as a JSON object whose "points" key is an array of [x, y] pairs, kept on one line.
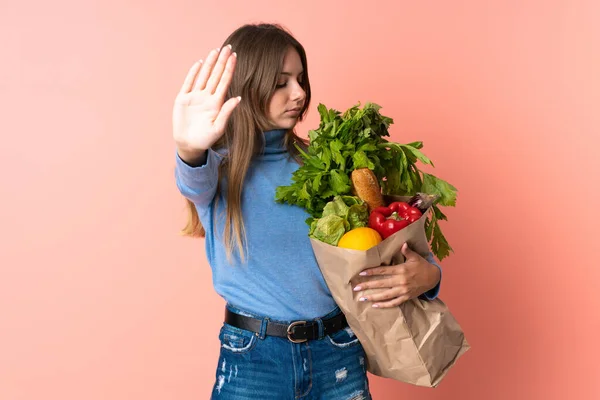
{"points": [[235, 54], [218, 49], [375, 305], [239, 98], [356, 289], [230, 47], [362, 299], [364, 273]]}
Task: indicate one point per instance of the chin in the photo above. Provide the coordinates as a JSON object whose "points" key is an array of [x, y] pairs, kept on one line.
{"points": [[284, 125]]}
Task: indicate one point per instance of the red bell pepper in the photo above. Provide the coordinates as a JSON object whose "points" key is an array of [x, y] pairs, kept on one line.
{"points": [[389, 220]]}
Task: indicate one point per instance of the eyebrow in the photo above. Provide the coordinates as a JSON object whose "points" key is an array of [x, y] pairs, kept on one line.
{"points": [[290, 74]]}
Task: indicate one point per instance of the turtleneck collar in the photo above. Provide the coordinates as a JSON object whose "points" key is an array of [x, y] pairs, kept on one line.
{"points": [[274, 141]]}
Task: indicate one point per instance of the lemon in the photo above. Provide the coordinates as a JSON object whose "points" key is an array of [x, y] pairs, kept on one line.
{"points": [[360, 239]]}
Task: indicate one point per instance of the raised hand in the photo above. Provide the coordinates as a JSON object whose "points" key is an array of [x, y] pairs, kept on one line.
{"points": [[200, 112]]}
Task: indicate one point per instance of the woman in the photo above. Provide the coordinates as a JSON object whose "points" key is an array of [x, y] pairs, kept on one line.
{"points": [[233, 124]]}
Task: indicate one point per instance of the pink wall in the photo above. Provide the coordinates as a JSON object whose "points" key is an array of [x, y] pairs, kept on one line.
{"points": [[101, 299]]}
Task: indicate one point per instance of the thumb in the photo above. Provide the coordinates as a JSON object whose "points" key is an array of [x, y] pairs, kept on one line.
{"points": [[408, 253]]}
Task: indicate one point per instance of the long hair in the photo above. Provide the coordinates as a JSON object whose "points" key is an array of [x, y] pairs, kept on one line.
{"points": [[261, 49]]}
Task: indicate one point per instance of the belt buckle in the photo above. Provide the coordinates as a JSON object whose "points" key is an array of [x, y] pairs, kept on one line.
{"points": [[290, 327]]}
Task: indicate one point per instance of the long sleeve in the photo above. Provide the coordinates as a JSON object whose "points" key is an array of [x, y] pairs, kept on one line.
{"points": [[431, 294], [198, 184]]}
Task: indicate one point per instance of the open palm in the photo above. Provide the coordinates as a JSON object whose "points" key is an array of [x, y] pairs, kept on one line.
{"points": [[200, 112]]}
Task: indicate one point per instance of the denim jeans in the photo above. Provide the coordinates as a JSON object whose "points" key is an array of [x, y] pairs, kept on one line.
{"points": [[255, 366]]}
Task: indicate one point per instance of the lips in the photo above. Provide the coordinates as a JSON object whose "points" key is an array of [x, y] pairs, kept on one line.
{"points": [[294, 112]]}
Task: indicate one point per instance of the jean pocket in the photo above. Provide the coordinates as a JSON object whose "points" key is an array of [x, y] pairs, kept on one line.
{"points": [[343, 339], [236, 340]]}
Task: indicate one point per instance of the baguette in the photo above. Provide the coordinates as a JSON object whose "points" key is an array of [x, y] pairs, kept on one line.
{"points": [[366, 187]]}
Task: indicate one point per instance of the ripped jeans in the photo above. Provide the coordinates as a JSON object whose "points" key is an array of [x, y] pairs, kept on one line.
{"points": [[331, 368]]}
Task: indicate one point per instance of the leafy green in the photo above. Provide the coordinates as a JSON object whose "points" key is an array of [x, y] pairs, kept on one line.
{"points": [[336, 207], [328, 229], [340, 215], [352, 200], [439, 244], [356, 139], [358, 216]]}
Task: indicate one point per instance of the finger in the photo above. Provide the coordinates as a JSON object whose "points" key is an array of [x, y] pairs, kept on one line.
{"points": [[227, 75], [217, 71], [225, 112], [376, 284], [385, 295], [392, 303], [206, 70], [387, 270], [189, 79], [408, 252], [374, 271]]}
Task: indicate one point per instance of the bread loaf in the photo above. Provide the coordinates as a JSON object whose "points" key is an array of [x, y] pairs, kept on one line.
{"points": [[366, 187]]}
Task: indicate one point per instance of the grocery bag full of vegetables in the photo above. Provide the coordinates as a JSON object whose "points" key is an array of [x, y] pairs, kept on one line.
{"points": [[367, 197]]}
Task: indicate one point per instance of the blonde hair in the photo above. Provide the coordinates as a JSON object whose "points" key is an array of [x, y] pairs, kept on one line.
{"points": [[260, 49]]}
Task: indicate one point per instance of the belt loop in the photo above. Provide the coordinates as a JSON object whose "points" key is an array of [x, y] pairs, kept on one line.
{"points": [[321, 329], [263, 328]]}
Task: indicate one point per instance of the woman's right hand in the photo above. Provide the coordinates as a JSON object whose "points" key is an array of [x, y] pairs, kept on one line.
{"points": [[200, 112]]}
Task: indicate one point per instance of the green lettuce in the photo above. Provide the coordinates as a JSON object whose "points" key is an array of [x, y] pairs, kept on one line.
{"points": [[340, 215]]}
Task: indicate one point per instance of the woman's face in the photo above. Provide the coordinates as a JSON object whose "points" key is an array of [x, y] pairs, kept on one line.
{"points": [[288, 98]]}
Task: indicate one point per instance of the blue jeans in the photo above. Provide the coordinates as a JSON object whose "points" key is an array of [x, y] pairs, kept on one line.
{"points": [[254, 366]]}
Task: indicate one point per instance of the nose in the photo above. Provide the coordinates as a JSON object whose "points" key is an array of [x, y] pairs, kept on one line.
{"points": [[298, 94]]}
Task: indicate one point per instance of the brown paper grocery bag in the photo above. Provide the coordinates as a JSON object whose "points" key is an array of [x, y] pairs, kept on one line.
{"points": [[416, 342]]}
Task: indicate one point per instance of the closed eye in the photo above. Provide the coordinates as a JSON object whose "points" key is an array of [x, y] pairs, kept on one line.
{"points": [[282, 85]]}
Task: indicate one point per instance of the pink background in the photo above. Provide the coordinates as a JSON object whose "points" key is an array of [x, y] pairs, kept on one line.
{"points": [[101, 299]]}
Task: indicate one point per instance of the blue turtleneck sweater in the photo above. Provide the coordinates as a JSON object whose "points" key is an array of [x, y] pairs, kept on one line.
{"points": [[280, 278]]}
